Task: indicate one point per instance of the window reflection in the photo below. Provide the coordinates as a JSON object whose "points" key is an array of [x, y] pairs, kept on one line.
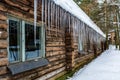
{"points": [[32, 45], [13, 40]]}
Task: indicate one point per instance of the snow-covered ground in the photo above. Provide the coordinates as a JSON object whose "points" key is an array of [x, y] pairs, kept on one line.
{"points": [[105, 67]]}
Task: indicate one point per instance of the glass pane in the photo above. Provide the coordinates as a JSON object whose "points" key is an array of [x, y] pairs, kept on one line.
{"points": [[32, 45], [14, 41]]}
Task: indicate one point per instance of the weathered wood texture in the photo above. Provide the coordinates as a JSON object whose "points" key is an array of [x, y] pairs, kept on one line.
{"points": [[55, 40], [61, 49], [3, 43]]}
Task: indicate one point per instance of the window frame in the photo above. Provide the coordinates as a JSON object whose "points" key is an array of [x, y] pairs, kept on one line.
{"points": [[22, 23]]}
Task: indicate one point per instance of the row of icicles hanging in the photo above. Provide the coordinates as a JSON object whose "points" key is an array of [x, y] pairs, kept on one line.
{"points": [[52, 14]]}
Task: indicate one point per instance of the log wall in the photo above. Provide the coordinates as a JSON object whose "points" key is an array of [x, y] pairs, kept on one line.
{"points": [[55, 45], [61, 50]]}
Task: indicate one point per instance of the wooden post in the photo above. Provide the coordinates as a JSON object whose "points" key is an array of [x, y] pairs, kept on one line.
{"points": [[69, 50]]}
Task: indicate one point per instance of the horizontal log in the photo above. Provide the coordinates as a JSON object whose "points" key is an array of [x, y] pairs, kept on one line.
{"points": [[52, 44], [29, 74], [3, 44], [3, 34], [4, 78], [2, 8], [3, 61], [55, 48], [54, 30], [3, 17], [51, 69], [3, 53], [3, 26], [31, 11], [55, 58], [55, 35], [57, 62], [51, 64], [54, 39], [48, 54], [3, 70], [15, 4], [25, 2], [16, 13], [49, 40]]}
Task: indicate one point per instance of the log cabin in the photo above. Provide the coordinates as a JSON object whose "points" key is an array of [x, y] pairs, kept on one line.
{"points": [[40, 39]]}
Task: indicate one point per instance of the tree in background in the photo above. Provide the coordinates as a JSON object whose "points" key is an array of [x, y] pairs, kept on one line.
{"points": [[93, 10], [104, 14]]}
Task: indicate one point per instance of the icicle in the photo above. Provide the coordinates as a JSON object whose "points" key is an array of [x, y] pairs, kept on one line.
{"points": [[45, 14], [64, 21], [73, 27], [69, 23], [49, 8], [35, 19], [42, 12], [58, 19], [51, 13]]}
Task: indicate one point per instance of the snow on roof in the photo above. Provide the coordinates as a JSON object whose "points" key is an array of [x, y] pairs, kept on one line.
{"points": [[73, 8]]}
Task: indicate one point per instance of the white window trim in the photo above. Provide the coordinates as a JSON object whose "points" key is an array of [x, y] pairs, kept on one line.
{"points": [[22, 45]]}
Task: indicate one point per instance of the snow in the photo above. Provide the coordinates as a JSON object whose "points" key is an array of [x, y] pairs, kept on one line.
{"points": [[73, 8], [105, 67]]}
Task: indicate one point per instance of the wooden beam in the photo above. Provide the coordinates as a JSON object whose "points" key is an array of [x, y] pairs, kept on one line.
{"points": [[3, 61], [3, 70], [3, 26], [3, 44], [2, 8], [3, 53], [3, 17], [3, 35]]}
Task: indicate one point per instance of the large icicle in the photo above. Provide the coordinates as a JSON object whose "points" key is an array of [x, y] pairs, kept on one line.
{"points": [[35, 19], [42, 12]]}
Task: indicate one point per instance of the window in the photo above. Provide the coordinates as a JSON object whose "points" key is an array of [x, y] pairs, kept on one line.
{"points": [[32, 45], [14, 41], [25, 43]]}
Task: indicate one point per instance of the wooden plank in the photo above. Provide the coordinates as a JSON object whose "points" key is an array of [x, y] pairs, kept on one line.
{"points": [[51, 39], [11, 3], [3, 44], [5, 78], [53, 75], [16, 13], [55, 48], [3, 53], [25, 2], [42, 71], [3, 26], [3, 17], [3, 35], [31, 11], [54, 53], [51, 69], [3, 70], [2, 8], [55, 58], [3, 61], [52, 44]]}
